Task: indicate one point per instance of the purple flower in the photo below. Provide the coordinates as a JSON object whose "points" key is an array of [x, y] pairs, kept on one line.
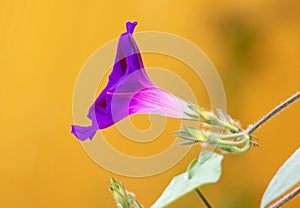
{"points": [[129, 91]]}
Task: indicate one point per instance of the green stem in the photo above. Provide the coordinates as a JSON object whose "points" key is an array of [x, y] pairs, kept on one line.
{"points": [[235, 135], [236, 149], [219, 140], [207, 205], [234, 143], [252, 128]]}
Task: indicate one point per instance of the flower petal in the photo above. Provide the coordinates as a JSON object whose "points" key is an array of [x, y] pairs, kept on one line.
{"points": [[129, 91]]}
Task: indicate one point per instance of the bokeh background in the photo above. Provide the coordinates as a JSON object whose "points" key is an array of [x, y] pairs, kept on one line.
{"points": [[255, 47]]}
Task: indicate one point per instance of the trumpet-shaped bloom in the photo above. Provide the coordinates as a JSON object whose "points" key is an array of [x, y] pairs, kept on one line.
{"points": [[129, 91]]}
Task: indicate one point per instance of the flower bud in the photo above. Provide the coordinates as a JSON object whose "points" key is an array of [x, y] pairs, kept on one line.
{"points": [[192, 134], [201, 114], [119, 193]]}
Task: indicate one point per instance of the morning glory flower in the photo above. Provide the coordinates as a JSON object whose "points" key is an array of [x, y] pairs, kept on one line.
{"points": [[129, 91]]}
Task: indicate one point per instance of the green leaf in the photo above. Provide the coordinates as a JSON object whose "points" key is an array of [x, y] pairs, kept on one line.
{"points": [[285, 178], [206, 170]]}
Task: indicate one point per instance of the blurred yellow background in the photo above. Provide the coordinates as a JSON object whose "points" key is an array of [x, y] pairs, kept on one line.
{"points": [[255, 47]]}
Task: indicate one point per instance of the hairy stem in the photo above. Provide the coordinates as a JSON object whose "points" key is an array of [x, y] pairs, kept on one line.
{"points": [[207, 205], [273, 112], [264, 119], [287, 198], [138, 205]]}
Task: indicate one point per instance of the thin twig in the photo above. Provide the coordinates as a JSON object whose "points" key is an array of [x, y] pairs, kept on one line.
{"points": [[264, 119], [138, 203], [207, 205], [286, 198], [273, 112]]}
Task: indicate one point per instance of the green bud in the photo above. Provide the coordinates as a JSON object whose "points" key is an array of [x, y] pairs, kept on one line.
{"points": [[201, 114], [122, 196], [120, 199], [119, 193], [196, 134], [192, 134], [185, 135], [113, 183], [213, 139], [228, 122]]}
